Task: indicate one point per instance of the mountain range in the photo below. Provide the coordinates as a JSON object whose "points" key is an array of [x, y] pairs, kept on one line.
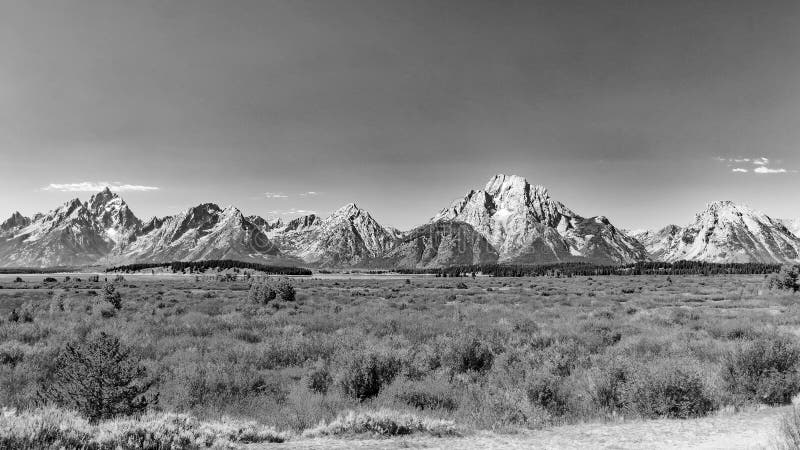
{"points": [[508, 221]]}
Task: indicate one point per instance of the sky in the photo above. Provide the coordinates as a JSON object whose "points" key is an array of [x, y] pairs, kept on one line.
{"points": [[640, 110]]}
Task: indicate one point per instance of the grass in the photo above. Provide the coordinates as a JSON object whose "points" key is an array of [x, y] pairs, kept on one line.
{"points": [[487, 353], [384, 423], [55, 428]]}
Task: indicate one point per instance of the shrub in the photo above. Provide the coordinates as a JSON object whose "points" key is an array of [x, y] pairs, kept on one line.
{"points": [[490, 407], [11, 353], [261, 293], [100, 379], [467, 352], [111, 296], [382, 423], [424, 394], [50, 280], [563, 356], [786, 279], [26, 313], [285, 290], [319, 379], [364, 374], [57, 303], [55, 428], [610, 379], [13, 316], [18, 280], [545, 389], [674, 389], [764, 370]]}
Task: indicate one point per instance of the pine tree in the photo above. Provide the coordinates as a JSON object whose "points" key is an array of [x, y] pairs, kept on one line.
{"points": [[111, 295], [100, 379]]}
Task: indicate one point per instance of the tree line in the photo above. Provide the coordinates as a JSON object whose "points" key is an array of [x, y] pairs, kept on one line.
{"points": [[217, 264], [568, 269]]}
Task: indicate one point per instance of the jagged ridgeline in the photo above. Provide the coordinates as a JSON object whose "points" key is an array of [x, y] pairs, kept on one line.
{"points": [[508, 222], [205, 266]]}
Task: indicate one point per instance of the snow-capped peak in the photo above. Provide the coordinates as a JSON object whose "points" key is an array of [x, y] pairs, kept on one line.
{"points": [[502, 182], [348, 210], [524, 224], [725, 232]]}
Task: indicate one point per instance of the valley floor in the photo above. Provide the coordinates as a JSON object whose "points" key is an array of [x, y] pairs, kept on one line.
{"points": [[750, 430]]}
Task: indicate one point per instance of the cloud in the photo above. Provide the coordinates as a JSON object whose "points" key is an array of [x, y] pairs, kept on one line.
{"points": [[310, 194], [767, 170], [759, 165], [95, 186], [275, 195], [291, 211]]}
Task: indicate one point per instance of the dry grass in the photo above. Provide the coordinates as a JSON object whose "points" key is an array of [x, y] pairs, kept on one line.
{"points": [[502, 354], [54, 428], [386, 423]]}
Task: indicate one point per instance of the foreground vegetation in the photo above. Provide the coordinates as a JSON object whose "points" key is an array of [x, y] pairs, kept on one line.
{"points": [[393, 356]]}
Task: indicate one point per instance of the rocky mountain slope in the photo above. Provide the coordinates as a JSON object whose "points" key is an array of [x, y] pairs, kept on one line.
{"points": [[725, 233], [508, 221], [440, 244], [68, 235], [348, 237], [202, 232], [14, 223], [792, 225], [525, 225]]}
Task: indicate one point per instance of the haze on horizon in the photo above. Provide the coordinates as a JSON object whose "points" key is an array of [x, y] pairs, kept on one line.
{"points": [[642, 111]]}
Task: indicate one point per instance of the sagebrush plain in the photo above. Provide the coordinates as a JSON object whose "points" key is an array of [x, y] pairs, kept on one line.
{"points": [[499, 354]]}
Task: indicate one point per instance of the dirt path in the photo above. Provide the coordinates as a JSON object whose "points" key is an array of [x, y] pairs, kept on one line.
{"points": [[747, 430]]}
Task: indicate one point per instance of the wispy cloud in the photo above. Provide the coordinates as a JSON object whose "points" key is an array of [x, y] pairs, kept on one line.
{"points": [[275, 195], [310, 194], [767, 170], [291, 211], [759, 165], [94, 186]]}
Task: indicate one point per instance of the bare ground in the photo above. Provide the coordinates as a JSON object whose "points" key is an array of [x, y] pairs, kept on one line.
{"points": [[746, 430]]}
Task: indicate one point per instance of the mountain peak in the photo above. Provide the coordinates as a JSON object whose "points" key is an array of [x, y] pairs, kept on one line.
{"points": [[725, 232], [516, 186], [16, 220], [204, 207], [505, 181], [726, 209], [103, 197], [349, 209], [721, 204]]}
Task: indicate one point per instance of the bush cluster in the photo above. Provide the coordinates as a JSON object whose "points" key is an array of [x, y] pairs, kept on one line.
{"points": [[764, 370], [264, 291], [787, 279], [521, 355]]}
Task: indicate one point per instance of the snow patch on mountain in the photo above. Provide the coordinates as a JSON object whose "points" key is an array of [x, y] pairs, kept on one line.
{"points": [[725, 232], [525, 225]]}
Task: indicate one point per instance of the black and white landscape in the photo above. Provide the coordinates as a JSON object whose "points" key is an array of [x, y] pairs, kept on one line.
{"points": [[381, 224]]}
